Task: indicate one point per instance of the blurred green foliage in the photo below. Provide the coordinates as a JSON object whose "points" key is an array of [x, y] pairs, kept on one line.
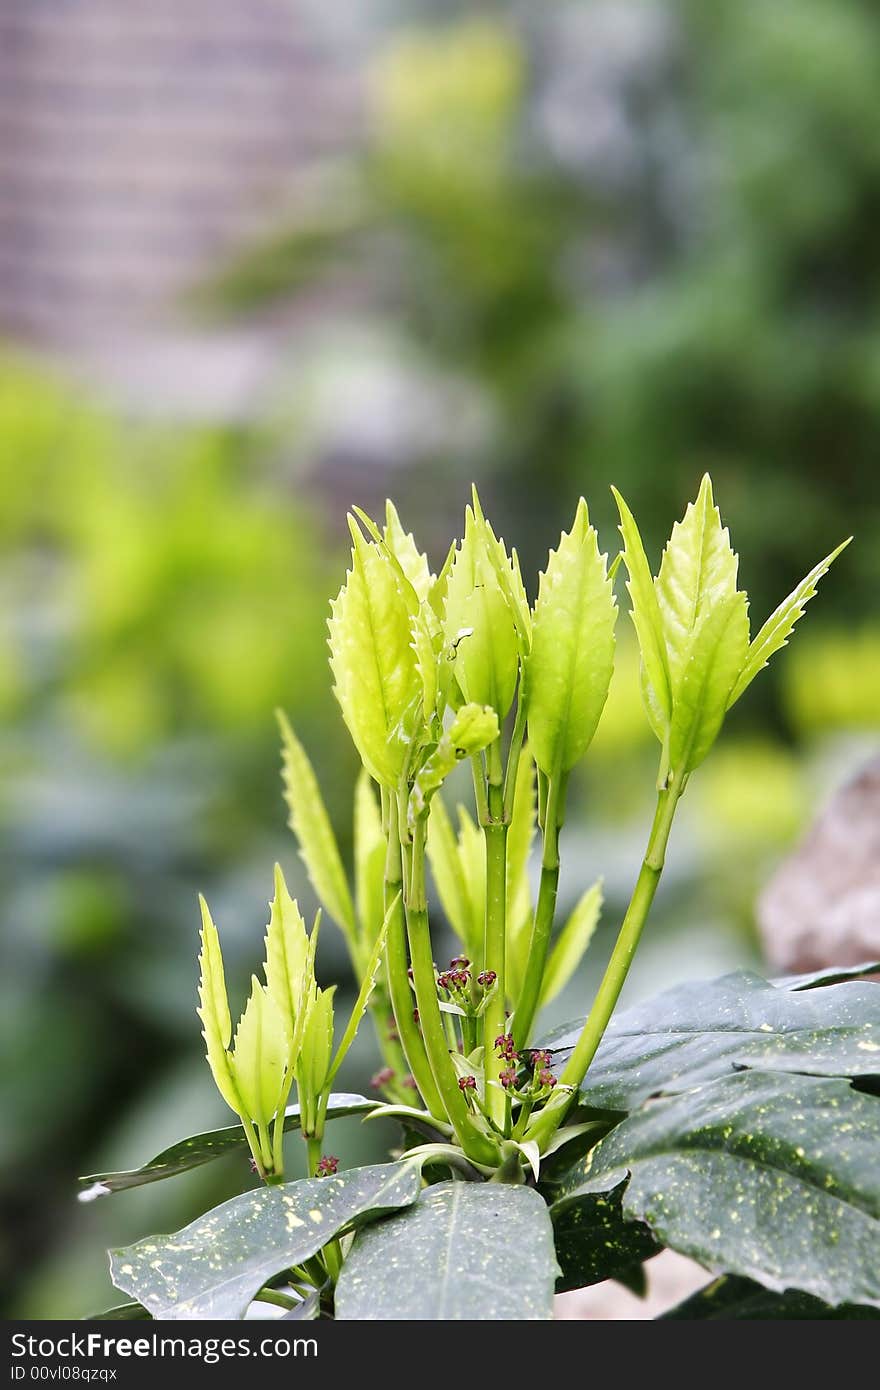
{"points": [[643, 236]]}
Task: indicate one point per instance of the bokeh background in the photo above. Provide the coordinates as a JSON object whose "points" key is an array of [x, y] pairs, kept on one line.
{"points": [[260, 259]]}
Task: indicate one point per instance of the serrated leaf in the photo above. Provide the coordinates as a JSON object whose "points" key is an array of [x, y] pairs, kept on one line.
{"points": [[704, 1029], [509, 576], [403, 547], [214, 1012], [261, 1054], [779, 626], [448, 873], [593, 1239], [773, 1178], [730, 1298], [572, 942], [647, 621], [215, 1266], [568, 671], [369, 861], [717, 651], [313, 1069], [698, 573], [310, 824], [204, 1148], [473, 729], [472, 853], [464, 1252], [479, 628], [374, 668], [287, 954]]}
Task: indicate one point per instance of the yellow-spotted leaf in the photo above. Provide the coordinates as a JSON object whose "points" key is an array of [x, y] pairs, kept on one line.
{"points": [[374, 667], [214, 1012], [568, 671], [261, 1055], [572, 942], [310, 824], [779, 626]]}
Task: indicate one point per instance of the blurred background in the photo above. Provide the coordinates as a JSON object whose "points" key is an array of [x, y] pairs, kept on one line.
{"points": [[260, 259]]}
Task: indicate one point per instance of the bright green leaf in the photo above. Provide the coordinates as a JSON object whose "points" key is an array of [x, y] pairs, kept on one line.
{"points": [[310, 824], [404, 549], [313, 1069], [368, 984], [369, 860], [700, 700], [261, 1054], [778, 627], [568, 671], [287, 953], [214, 1012], [374, 668], [479, 627], [473, 729], [647, 622], [448, 872]]}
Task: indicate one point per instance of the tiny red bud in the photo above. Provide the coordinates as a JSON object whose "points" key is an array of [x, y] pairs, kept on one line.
{"points": [[540, 1058], [409, 1082], [487, 978], [467, 1083], [328, 1166], [547, 1078], [415, 1015], [459, 963], [507, 1078], [382, 1078], [443, 979]]}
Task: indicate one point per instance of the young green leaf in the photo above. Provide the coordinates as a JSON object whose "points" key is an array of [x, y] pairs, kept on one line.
{"points": [[313, 1068], [472, 853], [473, 729], [647, 622], [404, 549], [568, 671], [261, 1055], [479, 626], [779, 626], [374, 667], [310, 824], [718, 650], [287, 953], [508, 574], [369, 860], [214, 1012], [573, 940], [520, 837]]}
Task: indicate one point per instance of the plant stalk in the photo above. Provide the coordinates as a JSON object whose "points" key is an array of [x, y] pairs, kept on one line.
{"points": [[547, 1121], [396, 968], [475, 1144], [545, 911], [495, 935]]}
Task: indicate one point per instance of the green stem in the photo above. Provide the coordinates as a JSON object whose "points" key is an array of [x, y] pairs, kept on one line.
{"points": [[545, 911], [548, 1120], [513, 756], [475, 1144], [495, 934], [396, 968], [313, 1154]]}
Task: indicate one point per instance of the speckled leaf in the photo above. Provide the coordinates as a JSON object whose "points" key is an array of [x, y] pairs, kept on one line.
{"points": [[774, 1178], [595, 1242], [464, 1252], [215, 1266], [830, 975], [310, 824], [123, 1312], [779, 626], [203, 1148], [730, 1298], [568, 671], [707, 1028]]}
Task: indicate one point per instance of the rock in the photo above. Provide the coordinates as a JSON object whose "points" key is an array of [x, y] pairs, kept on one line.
{"points": [[822, 906]]}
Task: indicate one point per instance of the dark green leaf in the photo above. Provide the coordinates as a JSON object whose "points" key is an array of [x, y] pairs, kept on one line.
{"points": [[774, 1178], [830, 975], [202, 1148], [123, 1312], [465, 1251], [707, 1028], [730, 1297], [594, 1241], [215, 1266]]}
